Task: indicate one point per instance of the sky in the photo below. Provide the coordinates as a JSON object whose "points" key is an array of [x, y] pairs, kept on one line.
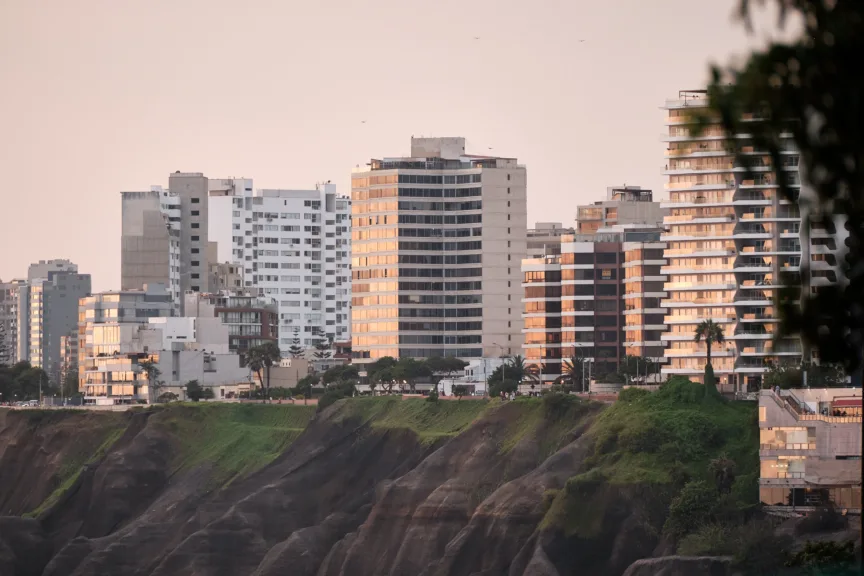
{"points": [[99, 96]]}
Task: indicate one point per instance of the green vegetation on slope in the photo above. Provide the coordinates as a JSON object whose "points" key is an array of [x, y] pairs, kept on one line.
{"points": [[431, 421], [235, 439], [653, 444], [86, 449]]}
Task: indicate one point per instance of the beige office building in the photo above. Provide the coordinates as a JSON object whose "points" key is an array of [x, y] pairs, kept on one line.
{"points": [[437, 242], [165, 237], [729, 238]]}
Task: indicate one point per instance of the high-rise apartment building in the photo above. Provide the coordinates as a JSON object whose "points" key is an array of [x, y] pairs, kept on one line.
{"points": [[643, 294], [582, 303], [10, 310], [437, 243], [52, 292], [730, 236], [165, 236], [150, 241], [623, 205], [293, 246]]}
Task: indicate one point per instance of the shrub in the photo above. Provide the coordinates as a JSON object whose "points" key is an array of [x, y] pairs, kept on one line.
{"points": [[693, 506], [557, 405], [709, 540], [827, 558], [632, 394], [433, 396], [759, 550], [821, 520], [549, 497], [329, 397]]}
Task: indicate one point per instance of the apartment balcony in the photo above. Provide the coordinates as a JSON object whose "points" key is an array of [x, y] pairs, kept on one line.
{"points": [[690, 253], [699, 219], [769, 350], [698, 319], [697, 286], [695, 269], [696, 302], [745, 335], [697, 353]]}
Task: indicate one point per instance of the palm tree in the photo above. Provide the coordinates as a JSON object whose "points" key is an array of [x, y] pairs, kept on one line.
{"points": [[262, 357], [573, 369], [517, 369], [152, 370], [711, 333]]}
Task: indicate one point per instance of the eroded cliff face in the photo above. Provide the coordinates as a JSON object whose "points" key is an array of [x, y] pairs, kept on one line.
{"points": [[370, 487]]}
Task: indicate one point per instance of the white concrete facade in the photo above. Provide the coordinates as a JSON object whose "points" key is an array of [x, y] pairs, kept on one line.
{"points": [[293, 246]]}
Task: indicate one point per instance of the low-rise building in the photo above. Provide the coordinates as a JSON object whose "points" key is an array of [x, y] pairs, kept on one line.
{"points": [[251, 320], [119, 332], [810, 448]]}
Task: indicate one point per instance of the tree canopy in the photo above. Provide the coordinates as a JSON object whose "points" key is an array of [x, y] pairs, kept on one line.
{"points": [[810, 88]]}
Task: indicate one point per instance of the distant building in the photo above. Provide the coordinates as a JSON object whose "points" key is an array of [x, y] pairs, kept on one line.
{"points": [[290, 245], [438, 237], [581, 304], [545, 239], [165, 237], [111, 345], [644, 321], [51, 293], [730, 237], [121, 330], [10, 310], [251, 320], [810, 449], [623, 205]]}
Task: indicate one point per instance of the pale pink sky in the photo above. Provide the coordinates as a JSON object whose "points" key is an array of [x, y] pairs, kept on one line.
{"points": [[98, 96]]}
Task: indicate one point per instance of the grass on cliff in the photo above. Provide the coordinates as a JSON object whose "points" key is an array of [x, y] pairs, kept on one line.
{"points": [[235, 439], [103, 431], [431, 421], [652, 443]]}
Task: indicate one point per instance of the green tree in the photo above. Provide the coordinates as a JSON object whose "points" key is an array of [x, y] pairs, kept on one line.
{"points": [[723, 468], [506, 386], [296, 350], [693, 507], [810, 87], [194, 391], [573, 377], [262, 358], [410, 370], [380, 373], [342, 372], [711, 333], [304, 387], [151, 369], [323, 349], [459, 391], [70, 383], [442, 367]]}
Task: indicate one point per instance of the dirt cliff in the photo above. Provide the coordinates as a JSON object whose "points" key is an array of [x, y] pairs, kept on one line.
{"points": [[366, 487]]}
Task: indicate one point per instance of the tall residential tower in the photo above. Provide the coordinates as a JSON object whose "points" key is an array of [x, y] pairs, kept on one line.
{"points": [[730, 236], [437, 243]]}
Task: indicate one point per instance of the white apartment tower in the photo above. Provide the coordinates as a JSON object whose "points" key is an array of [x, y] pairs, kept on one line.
{"points": [[292, 245], [438, 240], [729, 237]]}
